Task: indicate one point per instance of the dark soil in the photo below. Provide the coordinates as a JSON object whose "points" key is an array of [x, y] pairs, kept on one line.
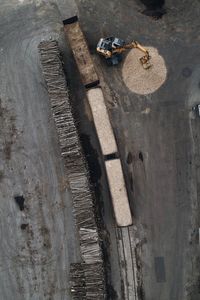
{"points": [[153, 4], [20, 201], [24, 226], [154, 8]]}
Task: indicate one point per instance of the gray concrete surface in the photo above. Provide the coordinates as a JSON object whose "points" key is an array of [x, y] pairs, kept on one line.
{"points": [[162, 172], [39, 242]]}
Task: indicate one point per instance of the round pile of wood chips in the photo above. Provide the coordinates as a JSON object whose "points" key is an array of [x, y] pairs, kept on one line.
{"points": [[142, 81]]}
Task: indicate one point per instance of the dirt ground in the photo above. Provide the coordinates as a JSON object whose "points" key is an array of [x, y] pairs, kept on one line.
{"points": [[158, 139], [38, 237]]}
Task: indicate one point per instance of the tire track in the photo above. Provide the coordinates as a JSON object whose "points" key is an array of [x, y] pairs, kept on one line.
{"points": [[127, 259]]}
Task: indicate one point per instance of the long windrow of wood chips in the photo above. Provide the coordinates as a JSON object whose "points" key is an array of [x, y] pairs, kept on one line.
{"points": [[77, 172], [101, 120]]}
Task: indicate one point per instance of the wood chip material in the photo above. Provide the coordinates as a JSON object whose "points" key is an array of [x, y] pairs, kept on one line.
{"points": [[142, 81], [118, 192], [101, 121], [81, 53]]}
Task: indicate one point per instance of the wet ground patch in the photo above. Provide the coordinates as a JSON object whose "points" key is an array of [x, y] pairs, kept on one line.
{"points": [[186, 72], [141, 156], [24, 226], [129, 158], [20, 201], [1, 175], [154, 8], [8, 129]]}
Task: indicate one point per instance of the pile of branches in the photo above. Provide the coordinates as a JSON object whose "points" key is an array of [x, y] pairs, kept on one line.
{"points": [[84, 284], [77, 173], [77, 281]]}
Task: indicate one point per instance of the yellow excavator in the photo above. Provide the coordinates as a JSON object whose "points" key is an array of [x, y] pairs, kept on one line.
{"points": [[111, 48]]}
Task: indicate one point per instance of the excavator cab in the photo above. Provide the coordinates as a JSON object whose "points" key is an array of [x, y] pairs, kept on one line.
{"points": [[110, 43], [106, 46], [117, 43]]}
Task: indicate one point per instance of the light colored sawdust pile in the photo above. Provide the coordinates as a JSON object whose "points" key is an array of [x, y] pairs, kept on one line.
{"points": [[142, 81], [118, 192], [101, 121]]}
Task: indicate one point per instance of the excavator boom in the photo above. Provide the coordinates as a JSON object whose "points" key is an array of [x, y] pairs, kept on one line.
{"points": [[144, 59]]}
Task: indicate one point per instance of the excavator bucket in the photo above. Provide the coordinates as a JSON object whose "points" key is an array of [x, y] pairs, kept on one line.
{"points": [[147, 65], [145, 61]]}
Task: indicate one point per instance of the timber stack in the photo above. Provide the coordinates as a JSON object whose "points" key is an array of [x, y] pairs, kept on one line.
{"points": [[92, 286]]}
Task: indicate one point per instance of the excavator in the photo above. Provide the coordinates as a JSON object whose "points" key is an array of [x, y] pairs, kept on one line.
{"points": [[111, 48]]}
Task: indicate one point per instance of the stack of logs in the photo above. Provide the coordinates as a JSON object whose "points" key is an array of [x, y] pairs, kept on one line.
{"points": [[87, 278]]}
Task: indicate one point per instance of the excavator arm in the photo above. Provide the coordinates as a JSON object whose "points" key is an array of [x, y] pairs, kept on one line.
{"points": [[145, 60]]}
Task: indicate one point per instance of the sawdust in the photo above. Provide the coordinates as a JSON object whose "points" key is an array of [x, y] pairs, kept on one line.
{"points": [[102, 121], [118, 192], [142, 81]]}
